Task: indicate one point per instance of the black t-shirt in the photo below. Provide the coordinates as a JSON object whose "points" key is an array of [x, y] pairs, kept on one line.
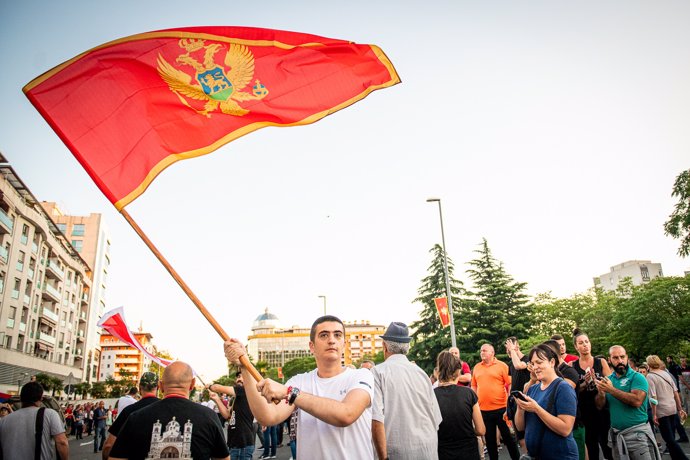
{"points": [[122, 417], [520, 377], [241, 422], [588, 392], [171, 428], [569, 373], [456, 438]]}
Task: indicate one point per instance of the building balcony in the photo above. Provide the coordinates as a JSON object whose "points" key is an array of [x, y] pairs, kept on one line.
{"points": [[51, 293], [34, 247], [27, 299], [54, 271], [80, 336], [50, 315], [6, 224], [4, 255], [123, 361], [30, 274], [10, 323], [85, 298], [82, 316], [22, 327], [49, 339]]}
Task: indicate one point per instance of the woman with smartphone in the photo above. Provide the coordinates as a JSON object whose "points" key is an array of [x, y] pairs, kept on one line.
{"points": [[547, 412], [462, 419], [597, 422]]}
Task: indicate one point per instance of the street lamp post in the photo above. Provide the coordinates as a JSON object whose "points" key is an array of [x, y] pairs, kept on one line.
{"points": [[324, 303], [445, 269]]}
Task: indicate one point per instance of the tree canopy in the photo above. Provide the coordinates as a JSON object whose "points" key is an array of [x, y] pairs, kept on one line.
{"points": [[678, 223]]}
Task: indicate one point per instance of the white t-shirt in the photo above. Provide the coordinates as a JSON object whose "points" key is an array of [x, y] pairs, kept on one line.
{"points": [[318, 439], [123, 402]]}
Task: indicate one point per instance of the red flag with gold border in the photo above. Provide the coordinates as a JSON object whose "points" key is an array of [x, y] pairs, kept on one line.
{"points": [[442, 309], [129, 108]]}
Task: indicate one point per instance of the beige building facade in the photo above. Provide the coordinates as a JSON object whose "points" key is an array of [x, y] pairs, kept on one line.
{"points": [[44, 289], [639, 271], [90, 238]]}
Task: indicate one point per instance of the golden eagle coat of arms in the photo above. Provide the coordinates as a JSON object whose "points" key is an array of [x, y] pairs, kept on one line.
{"points": [[218, 87]]}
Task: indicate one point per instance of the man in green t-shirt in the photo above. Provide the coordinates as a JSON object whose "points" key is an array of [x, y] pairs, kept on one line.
{"points": [[626, 392]]}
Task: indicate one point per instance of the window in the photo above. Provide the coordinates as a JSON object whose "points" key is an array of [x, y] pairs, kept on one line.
{"points": [[2, 281], [17, 286], [20, 261], [78, 230], [25, 234], [62, 227], [644, 272], [77, 244], [10, 318]]}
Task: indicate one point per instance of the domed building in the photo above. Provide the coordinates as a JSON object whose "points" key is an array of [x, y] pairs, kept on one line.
{"points": [[276, 345]]}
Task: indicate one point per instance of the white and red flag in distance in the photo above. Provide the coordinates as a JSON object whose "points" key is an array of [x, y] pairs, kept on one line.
{"points": [[114, 322]]}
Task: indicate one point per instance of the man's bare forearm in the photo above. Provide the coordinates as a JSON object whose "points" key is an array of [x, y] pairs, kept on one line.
{"points": [[378, 434]]}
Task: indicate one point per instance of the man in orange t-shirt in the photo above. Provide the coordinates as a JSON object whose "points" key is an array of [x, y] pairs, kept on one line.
{"points": [[491, 380]]}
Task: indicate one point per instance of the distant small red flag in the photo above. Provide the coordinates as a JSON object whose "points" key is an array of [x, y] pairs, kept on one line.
{"points": [[129, 108], [442, 309]]}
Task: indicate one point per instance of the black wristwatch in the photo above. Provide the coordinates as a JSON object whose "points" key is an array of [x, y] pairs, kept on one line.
{"points": [[293, 395]]}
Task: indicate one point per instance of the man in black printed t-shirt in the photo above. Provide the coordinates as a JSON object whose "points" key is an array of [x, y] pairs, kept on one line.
{"points": [[239, 418], [174, 427]]}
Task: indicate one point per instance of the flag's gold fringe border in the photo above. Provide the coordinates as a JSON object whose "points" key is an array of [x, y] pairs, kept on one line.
{"points": [[170, 159], [166, 34]]}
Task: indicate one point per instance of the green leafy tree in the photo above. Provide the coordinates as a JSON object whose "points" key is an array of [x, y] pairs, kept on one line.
{"points": [[99, 390], [655, 318], [298, 366], [82, 388], [56, 385], [552, 315], [502, 306], [115, 388], [678, 223], [429, 338], [45, 380]]}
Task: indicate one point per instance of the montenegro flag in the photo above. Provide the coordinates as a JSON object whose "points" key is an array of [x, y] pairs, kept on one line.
{"points": [[129, 108], [442, 309]]}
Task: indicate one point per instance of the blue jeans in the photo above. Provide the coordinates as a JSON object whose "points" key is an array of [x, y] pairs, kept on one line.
{"points": [[270, 440], [293, 448], [242, 453], [99, 432]]}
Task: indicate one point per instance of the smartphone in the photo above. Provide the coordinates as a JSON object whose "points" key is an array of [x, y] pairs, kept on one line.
{"points": [[518, 395]]}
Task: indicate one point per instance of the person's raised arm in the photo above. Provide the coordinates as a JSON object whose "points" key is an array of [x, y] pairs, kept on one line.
{"points": [[224, 411], [218, 388]]}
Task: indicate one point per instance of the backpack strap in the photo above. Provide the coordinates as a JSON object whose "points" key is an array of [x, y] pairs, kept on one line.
{"points": [[39, 433]]}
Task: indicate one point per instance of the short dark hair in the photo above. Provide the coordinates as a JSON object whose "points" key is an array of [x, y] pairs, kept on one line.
{"points": [[546, 352], [133, 391], [555, 346], [238, 373], [557, 337], [30, 393], [323, 319], [513, 339]]}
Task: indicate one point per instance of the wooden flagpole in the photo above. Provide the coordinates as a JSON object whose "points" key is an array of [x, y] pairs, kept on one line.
{"points": [[224, 335]]}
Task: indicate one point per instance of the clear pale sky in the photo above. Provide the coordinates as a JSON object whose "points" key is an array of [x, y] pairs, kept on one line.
{"points": [[553, 129]]}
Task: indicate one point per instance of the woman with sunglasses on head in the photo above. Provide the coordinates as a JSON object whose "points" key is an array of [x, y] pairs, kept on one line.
{"points": [[597, 422], [547, 412]]}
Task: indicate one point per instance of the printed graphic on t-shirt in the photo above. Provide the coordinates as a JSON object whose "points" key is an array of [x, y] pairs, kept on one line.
{"points": [[171, 443]]}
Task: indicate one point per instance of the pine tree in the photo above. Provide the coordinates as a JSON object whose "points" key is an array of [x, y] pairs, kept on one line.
{"points": [[429, 338], [502, 307]]}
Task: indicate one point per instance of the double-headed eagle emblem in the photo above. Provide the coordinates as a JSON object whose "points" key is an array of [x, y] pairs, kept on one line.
{"points": [[218, 87]]}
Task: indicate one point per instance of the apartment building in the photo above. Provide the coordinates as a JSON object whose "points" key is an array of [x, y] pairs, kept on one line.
{"points": [[44, 291], [90, 238], [639, 271], [117, 356]]}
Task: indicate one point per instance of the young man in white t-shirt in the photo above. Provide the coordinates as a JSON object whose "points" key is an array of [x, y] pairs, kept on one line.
{"points": [[335, 402]]}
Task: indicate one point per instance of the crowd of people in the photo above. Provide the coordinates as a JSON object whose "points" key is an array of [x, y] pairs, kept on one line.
{"points": [[546, 404]]}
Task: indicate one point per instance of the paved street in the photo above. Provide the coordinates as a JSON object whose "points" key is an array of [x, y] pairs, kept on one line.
{"points": [[82, 449]]}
